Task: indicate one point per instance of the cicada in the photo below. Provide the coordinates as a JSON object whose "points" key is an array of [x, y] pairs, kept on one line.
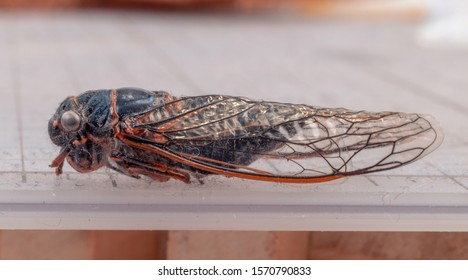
{"points": [[152, 133]]}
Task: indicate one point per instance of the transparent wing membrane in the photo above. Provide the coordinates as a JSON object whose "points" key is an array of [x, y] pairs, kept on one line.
{"points": [[266, 139]]}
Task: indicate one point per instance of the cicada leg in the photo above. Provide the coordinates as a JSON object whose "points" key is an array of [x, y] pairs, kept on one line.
{"points": [[119, 167], [133, 167], [135, 171], [160, 177], [59, 160]]}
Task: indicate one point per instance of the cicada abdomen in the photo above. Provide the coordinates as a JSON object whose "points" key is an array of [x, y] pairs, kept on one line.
{"points": [[140, 132]]}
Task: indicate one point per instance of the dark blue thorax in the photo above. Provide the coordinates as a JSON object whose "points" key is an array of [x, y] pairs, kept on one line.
{"points": [[134, 101]]}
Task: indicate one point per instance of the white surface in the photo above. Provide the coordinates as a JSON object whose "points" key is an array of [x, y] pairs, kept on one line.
{"points": [[371, 66], [447, 24]]}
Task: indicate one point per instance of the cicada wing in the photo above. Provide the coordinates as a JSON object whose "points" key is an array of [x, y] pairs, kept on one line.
{"points": [[298, 142]]}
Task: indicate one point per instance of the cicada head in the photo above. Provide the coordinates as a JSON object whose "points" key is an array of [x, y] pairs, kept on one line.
{"points": [[67, 124], [68, 128]]}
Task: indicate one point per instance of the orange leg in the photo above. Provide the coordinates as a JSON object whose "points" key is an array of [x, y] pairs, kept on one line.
{"points": [[132, 167], [121, 167], [152, 174]]}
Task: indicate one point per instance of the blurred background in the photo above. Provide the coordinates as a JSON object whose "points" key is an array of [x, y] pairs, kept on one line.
{"points": [[240, 47]]}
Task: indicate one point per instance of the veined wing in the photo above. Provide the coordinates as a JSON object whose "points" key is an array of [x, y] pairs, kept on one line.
{"points": [[270, 141]]}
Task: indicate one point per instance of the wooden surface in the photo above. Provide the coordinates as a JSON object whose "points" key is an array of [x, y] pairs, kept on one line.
{"points": [[65, 244], [237, 245], [388, 245], [82, 244]]}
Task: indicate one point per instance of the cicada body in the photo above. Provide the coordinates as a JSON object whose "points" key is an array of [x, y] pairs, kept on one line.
{"points": [[152, 133]]}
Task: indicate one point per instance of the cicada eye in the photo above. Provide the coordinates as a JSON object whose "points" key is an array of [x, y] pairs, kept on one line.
{"points": [[70, 121]]}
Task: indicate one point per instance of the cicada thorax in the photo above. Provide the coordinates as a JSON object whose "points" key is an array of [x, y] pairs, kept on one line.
{"points": [[135, 107]]}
